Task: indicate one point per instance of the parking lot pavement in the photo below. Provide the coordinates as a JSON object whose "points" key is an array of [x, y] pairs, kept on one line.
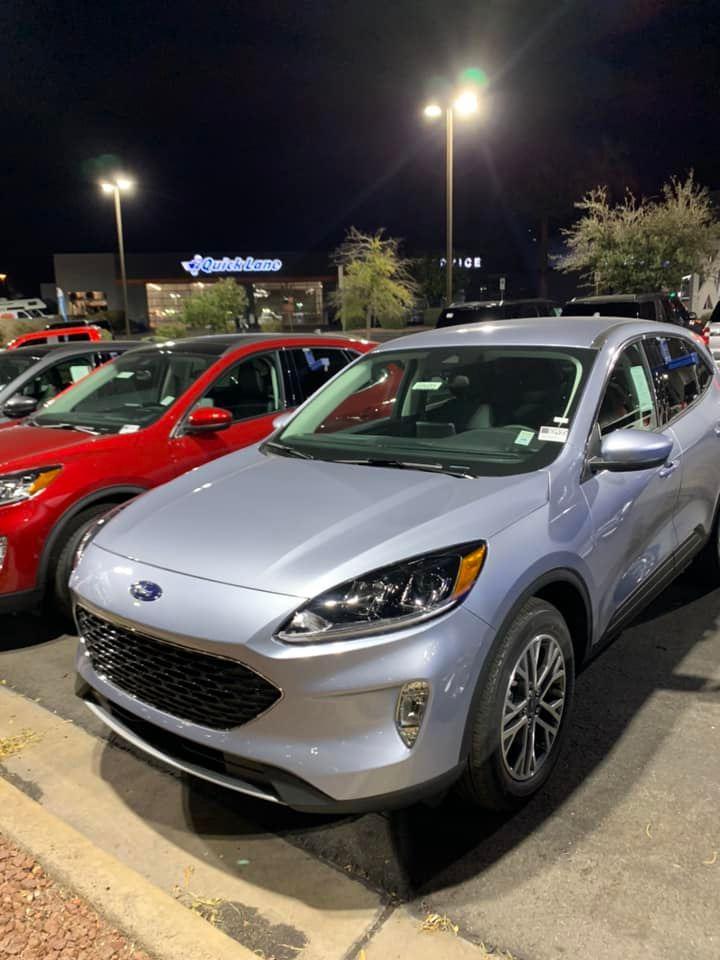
{"points": [[619, 857]]}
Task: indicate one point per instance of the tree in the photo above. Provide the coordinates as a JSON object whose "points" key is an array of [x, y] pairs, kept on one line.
{"points": [[217, 307], [377, 283], [642, 245]]}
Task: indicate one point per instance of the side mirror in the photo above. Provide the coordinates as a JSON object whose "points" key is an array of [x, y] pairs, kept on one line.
{"points": [[18, 407], [208, 420], [624, 450], [281, 420]]}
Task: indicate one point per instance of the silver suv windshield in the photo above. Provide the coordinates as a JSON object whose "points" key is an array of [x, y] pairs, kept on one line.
{"points": [[470, 411], [132, 392]]}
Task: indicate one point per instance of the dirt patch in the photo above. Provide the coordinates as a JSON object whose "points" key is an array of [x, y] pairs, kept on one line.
{"points": [[41, 921]]}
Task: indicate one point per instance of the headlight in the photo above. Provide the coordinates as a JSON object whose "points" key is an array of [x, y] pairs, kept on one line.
{"points": [[16, 487], [94, 529], [389, 598]]}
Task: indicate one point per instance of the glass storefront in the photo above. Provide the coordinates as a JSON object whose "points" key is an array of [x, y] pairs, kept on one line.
{"points": [[277, 303]]}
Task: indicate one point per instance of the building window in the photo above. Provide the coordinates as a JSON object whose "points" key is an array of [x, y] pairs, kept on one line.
{"points": [[277, 304]]}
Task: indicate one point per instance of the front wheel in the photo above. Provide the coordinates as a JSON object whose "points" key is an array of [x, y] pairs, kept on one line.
{"points": [[521, 716], [64, 556]]}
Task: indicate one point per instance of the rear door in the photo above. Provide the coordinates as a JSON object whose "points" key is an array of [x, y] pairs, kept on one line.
{"points": [[252, 390], [688, 393], [632, 512]]}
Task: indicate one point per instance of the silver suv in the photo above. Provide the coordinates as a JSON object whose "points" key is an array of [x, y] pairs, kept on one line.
{"points": [[393, 593]]}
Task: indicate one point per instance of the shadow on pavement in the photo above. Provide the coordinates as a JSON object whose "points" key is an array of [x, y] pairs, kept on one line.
{"points": [[21, 630], [413, 852]]}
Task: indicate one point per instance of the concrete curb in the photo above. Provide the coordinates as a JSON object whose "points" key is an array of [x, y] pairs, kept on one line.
{"points": [[146, 915]]}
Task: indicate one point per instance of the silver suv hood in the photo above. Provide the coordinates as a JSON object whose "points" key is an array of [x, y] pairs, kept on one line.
{"points": [[298, 527]]}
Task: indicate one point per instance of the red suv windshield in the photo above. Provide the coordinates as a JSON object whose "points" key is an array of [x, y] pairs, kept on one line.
{"points": [[128, 394]]}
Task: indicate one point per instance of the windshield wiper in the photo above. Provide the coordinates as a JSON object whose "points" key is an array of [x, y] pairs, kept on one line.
{"points": [[286, 451], [451, 471], [66, 426]]}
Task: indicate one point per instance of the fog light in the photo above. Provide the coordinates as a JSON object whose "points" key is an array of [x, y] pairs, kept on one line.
{"points": [[410, 711], [3, 550]]}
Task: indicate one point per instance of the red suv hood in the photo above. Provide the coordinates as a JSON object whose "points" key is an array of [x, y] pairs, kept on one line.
{"points": [[24, 447]]}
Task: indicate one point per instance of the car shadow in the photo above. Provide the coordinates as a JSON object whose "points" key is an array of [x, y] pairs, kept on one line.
{"points": [[21, 630], [409, 853]]}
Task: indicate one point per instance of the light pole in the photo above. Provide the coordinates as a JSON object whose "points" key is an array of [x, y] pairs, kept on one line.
{"points": [[464, 103], [115, 186]]}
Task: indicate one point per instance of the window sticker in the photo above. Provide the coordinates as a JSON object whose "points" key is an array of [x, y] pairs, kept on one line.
{"points": [[166, 401], [524, 437], [77, 372], [560, 420], [642, 388], [427, 385], [125, 374], [554, 434], [129, 428]]}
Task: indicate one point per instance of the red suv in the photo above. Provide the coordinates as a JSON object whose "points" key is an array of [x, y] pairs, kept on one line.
{"points": [[137, 422]]}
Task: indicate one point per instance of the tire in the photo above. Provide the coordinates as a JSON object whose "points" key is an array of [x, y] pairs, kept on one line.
{"points": [[706, 565], [500, 778], [61, 563]]}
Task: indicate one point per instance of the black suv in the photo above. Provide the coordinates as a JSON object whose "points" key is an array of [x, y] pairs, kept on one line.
{"points": [[643, 306], [478, 311]]}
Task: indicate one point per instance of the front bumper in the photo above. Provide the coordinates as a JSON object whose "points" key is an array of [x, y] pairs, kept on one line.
{"points": [[330, 743], [26, 527]]}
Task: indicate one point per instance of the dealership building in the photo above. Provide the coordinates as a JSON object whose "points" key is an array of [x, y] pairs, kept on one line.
{"points": [[290, 287]]}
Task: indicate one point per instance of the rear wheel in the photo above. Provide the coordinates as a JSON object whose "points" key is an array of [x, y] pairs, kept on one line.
{"points": [[61, 562], [521, 716]]}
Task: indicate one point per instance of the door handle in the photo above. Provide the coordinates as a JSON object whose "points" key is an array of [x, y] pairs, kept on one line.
{"points": [[668, 468]]}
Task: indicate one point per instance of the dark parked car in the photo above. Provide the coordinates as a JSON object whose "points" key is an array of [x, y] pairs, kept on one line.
{"points": [[478, 311], [29, 376], [635, 306]]}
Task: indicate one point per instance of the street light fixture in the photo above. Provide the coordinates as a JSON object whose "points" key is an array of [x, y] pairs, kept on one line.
{"points": [[116, 186], [465, 103]]}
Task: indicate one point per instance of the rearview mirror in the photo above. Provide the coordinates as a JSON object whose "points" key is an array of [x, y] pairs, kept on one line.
{"points": [[208, 420], [624, 450], [18, 407]]}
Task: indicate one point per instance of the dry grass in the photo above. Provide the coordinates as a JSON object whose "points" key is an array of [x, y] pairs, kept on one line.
{"points": [[9, 746]]}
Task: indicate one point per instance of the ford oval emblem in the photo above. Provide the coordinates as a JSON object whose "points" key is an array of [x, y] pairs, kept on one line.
{"points": [[146, 590]]}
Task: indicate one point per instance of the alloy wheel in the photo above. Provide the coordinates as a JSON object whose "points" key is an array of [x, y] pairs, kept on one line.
{"points": [[533, 708]]}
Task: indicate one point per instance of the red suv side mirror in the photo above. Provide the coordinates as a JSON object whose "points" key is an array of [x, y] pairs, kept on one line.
{"points": [[208, 420]]}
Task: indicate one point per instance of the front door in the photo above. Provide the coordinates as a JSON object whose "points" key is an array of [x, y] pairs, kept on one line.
{"points": [[632, 512], [252, 391], [691, 408]]}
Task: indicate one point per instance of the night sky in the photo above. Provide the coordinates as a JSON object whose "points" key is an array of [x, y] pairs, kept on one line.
{"points": [[275, 125]]}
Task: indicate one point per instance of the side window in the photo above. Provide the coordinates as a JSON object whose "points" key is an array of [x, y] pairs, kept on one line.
{"points": [[316, 365], [49, 383], [105, 357], [628, 400], [250, 388], [679, 373], [704, 372]]}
